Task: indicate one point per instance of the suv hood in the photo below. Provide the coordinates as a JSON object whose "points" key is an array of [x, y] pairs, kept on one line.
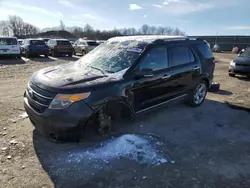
{"points": [[72, 76]]}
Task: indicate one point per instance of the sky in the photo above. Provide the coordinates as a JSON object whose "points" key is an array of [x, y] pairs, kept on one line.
{"points": [[195, 17]]}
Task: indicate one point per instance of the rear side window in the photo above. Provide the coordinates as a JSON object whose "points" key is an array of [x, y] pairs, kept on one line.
{"points": [[205, 51], [8, 41], [92, 43], [63, 42], [37, 42], [180, 55]]}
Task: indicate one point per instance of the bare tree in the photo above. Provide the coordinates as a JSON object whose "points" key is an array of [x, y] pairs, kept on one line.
{"points": [[15, 24], [145, 29], [4, 28], [160, 30]]}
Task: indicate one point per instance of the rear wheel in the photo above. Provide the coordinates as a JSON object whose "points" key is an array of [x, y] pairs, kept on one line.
{"points": [[198, 95], [19, 56], [83, 53], [46, 55], [70, 55], [54, 54], [74, 52], [231, 74], [26, 54]]}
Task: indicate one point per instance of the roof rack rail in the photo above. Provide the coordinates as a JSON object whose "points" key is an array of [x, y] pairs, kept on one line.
{"points": [[177, 39]]}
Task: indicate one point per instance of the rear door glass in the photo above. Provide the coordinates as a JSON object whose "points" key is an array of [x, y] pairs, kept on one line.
{"points": [[205, 51], [8, 41], [179, 55]]}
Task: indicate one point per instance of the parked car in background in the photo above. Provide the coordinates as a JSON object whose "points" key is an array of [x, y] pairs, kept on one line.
{"points": [[33, 47], [9, 47], [72, 42], [100, 41], [83, 47], [240, 65], [59, 47], [123, 77], [20, 41]]}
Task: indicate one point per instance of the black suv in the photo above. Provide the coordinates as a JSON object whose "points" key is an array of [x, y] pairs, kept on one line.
{"points": [[59, 47], [121, 78]]}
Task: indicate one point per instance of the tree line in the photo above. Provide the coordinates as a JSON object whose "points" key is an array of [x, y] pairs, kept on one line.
{"points": [[15, 26]]}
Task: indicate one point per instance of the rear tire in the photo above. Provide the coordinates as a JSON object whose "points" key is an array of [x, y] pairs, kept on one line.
{"points": [[46, 55], [197, 96], [70, 55], [54, 54], [26, 54], [83, 53], [19, 56], [231, 74]]}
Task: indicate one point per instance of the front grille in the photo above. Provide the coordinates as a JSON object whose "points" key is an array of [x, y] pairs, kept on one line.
{"points": [[37, 98]]}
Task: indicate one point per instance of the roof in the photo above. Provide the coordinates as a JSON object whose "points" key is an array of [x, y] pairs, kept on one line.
{"points": [[146, 38]]}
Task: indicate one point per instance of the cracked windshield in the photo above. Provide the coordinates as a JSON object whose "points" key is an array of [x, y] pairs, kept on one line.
{"points": [[124, 94]]}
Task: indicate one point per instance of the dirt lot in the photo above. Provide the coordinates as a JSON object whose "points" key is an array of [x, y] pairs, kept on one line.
{"points": [[209, 144]]}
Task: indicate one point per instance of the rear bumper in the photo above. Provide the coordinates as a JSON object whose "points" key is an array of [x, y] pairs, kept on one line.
{"points": [[65, 51], [241, 70], [38, 52], [60, 124]]}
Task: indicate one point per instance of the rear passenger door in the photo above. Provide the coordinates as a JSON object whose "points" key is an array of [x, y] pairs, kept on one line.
{"points": [[184, 68]]}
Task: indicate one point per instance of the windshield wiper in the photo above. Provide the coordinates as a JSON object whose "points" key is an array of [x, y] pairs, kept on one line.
{"points": [[98, 69], [103, 71]]}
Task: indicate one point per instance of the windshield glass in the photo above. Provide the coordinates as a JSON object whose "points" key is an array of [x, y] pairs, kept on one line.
{"points": [[110, 57], [246, 53], [37, 42], [8, 41]]}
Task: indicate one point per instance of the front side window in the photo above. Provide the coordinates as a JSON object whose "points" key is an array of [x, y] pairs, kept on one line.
{"points": [[155, 59], [110, 57], [180, 55]]}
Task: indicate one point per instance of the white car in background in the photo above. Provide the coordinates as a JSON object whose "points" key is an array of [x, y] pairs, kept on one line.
{"points": [[9, 47]]}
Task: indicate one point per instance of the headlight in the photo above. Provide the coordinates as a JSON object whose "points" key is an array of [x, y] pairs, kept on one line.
{"points": [[63, 101], [232, 63]]}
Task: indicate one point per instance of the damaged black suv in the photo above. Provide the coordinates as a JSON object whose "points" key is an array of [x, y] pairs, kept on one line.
{"points": [[120, 78]]}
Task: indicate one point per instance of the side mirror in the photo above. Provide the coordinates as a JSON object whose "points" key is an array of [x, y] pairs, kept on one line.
{"points": [[144, 73]]}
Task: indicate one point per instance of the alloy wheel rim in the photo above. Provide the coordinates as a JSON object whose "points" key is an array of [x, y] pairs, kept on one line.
{"points": [[200, 93]]}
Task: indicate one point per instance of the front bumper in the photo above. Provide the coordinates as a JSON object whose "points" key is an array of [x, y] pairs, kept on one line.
{"points": [[241, 70], [60, 124]]}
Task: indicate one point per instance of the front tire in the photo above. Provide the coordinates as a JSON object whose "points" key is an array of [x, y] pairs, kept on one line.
{"points": [[231, 74], [198, 95]]}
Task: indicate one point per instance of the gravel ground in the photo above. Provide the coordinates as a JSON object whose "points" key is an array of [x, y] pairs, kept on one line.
{"points": [[208, 145]]}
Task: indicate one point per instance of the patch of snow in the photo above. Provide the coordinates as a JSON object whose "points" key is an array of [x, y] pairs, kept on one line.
{"points": [[138, 148]]}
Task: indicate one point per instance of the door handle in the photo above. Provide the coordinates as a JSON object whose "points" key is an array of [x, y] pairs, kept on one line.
{"points": [[148, 75], [166, 77], [196, 68]]}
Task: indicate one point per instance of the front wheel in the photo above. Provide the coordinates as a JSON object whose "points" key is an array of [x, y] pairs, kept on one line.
{"points": [[198, 95], [231, 74]]}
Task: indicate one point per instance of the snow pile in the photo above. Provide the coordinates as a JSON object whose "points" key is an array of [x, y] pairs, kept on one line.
{"points": [[133, 147]]}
